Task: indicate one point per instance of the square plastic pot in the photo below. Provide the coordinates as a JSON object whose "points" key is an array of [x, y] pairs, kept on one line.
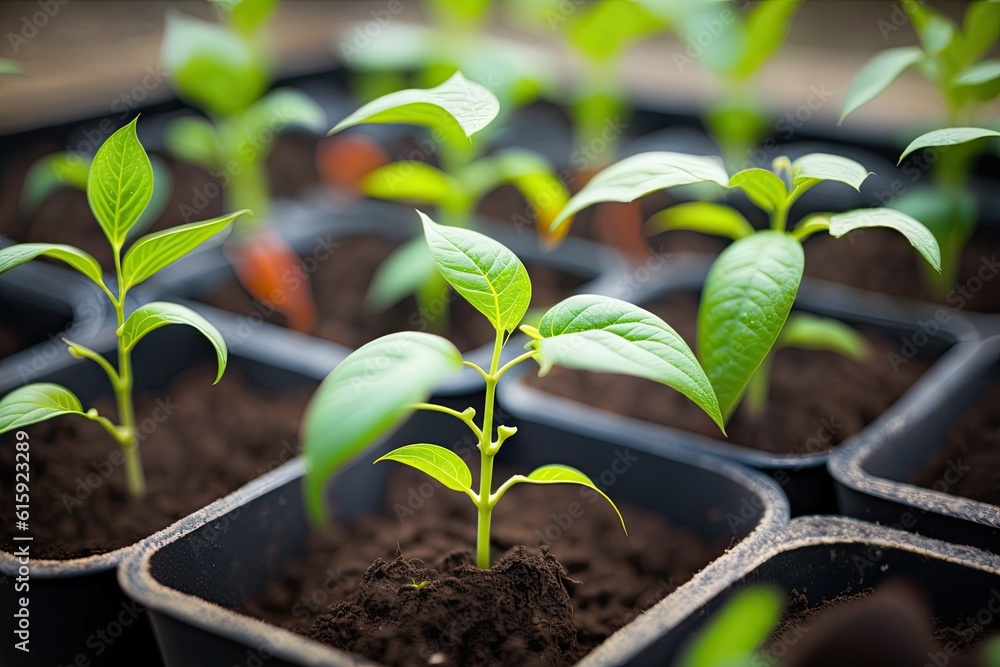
{"points": [[192, 576], [871, 472], [44, 304], [78, 613], [822, 558], [804, 477]]}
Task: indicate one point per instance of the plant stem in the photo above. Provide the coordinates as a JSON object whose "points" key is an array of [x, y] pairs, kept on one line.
{"points": [[127, 440], [487, 452], [759, 387]]}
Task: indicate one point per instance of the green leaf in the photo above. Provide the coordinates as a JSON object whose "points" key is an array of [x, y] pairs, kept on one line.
{"points": [[919, 236], [642, 174], [279, 110], [981, 28], [247, 16], [120, 184], [704, 217], [991, 652], [822, 334], [601, 30], [728, 31], [482, 271], [980, 73], [159, 314], [152, 253], [408, 180], [934, 30], [51, 172], [367, 394], [458, 108], [876, 75], [767, 25], [600, 333], [735, 632], [193, 140], [560, 474], [211, 66], [764, 188], [20, 253], [459, 11], [8, 66], [401, 274], [535, 178], [948, 136], [442, 464], [816, 167], [746, 299], [35, 403]]}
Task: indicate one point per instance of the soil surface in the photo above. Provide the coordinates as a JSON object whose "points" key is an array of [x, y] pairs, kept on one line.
{"points": [[890, 626], [341, 282], [817, 399], [971, 452], [335, 593], [882, 261], [201, 442]]}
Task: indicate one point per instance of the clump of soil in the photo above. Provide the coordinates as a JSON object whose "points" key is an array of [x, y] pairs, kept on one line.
{"points": [[968, 464], [199, 442], [340, 282], [817, 399], [518, 612], [619, 576]]}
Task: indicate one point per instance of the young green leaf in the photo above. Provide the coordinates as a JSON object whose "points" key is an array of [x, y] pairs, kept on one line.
{"points": [[816, 167], [600, 30], [764, 188], [746, 299], [980, 73], [8, 66], [560, 474], [918, 235], [460, 11], [483, 271], [120, 183], [158, 314], [51, 172], [823, 334], [600, 333], [34, 403], [442, 464], [876, 75], [402, 273], [980, 28], [458, 108], [536, 180], [408, 180], [934, 30], [20, 253], [281, 109], [247, 16], [193, 140], [948, 136], [767, 25], [211, 66], [156, 251], [705, 217], [368, 393], [640, 175], [737, 630]]}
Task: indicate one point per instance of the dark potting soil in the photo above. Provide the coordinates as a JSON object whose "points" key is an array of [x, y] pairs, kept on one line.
{"points": [[968, 464], [550, 611], [890, 626], [882, 261], [340, 283], [203, 442], [817, 399], [10, 341]]}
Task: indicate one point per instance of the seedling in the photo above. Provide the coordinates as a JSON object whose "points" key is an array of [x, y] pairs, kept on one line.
{"points": [[119, 187], [737, 631], [455, 111], [952, 59], [224, 70], [417, 585], [379, 384], [749, 291]]}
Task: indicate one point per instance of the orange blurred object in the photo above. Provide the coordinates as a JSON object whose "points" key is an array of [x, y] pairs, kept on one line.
{"points": [[344, 161], [618, 224], [271, 271]]}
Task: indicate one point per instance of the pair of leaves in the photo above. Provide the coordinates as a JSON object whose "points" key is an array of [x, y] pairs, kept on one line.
{"points": [[375, 387], [39, 402]]}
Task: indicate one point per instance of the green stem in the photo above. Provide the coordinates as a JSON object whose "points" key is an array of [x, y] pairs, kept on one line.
{"points": [[487, 451], [779, 219], [127, 437], [759, 386]]}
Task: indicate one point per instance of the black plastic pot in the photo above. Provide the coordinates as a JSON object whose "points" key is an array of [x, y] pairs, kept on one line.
{"points": [[804, 477], [821, 558], [315, 229], [44, 304], [871, 472], [78, 613], [192, 576]]}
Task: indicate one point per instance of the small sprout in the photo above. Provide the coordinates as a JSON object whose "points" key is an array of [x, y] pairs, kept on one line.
{"points": [[353, 406], [417, 585]]}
